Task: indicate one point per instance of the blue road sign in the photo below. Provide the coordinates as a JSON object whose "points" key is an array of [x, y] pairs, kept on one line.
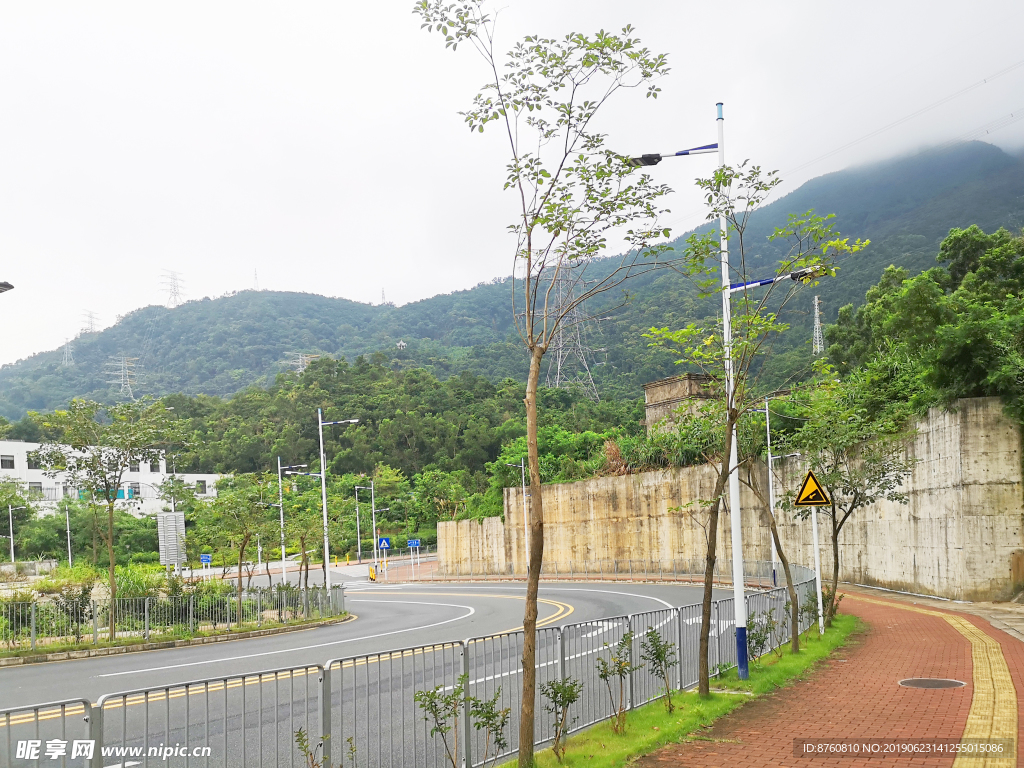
{"points": [[206, 559], [384, 542], [414, 542]]}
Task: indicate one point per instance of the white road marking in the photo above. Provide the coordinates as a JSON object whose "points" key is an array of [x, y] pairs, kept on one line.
{"points": [[468, 608], [557, 589]]}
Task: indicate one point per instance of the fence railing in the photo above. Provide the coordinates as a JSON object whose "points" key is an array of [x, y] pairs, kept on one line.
{"points": [[43, 623], [361, 710]]}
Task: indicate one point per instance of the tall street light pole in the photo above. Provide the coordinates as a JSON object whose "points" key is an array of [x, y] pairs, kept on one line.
{"points": [[359, 536], [323, 488], [730, 399], [373, 518], [10, 529], [280, 509]]}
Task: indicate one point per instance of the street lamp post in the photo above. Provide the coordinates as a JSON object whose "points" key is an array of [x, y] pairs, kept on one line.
{"points": [[280, 509], [373, 518], [728, 288], [526, 516], [67, 528], [10, 529], [359, 535], [323, 487]]}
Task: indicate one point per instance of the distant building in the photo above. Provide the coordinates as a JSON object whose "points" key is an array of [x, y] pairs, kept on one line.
{"points": [[140, 487], [666, 399]]}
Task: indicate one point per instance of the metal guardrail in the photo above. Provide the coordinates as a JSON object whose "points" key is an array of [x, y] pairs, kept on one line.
{"points": [[43, 623], [361, 711]]}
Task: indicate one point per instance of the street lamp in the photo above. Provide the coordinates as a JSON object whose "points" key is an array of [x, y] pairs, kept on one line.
{"points": [[323, 487], [526, 516], [10, 523], [730, 396], [280, 509], [373, 520]]}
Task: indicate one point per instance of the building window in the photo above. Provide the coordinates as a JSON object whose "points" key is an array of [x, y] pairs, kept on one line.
{"points": [[201, 487], [6, 462], [33, 462], [133, 467], [69, 492], [35, 487], [154, 466], [134, 491]]}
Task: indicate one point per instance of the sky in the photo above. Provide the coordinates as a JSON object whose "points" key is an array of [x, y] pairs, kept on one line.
{"points": [[317, 146]]}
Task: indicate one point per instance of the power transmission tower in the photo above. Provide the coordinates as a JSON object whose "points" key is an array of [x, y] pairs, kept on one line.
{"points": [[173, 284], [121, 370], [69, 357], [818, 342], [567, 364], [88, 321], [301, 361]]}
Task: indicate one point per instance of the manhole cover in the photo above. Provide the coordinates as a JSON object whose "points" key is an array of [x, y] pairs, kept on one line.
{"points": [[930, 682]]}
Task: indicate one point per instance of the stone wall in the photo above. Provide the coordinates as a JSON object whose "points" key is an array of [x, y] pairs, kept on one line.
{"points": [[961, 534]]}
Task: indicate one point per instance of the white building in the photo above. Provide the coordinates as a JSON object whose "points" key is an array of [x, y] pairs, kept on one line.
{"points": [[140, 488]]}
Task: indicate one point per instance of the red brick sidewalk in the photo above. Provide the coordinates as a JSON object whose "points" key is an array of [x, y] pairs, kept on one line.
{"points": [[856, 695]]}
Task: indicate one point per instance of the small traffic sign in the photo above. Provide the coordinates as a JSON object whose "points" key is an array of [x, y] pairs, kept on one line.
{"points": [[206, 559], [384, 542], [414, 542], [812, 493]]}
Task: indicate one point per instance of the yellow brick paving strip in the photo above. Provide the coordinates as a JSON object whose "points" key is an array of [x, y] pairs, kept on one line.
{"points": [[177, 692], [993, 713]]}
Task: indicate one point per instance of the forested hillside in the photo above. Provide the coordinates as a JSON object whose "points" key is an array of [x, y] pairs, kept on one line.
{"points": [[221, 346]]}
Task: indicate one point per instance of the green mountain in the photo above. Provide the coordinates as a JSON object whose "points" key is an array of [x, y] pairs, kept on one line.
{"points": [[220, 346]]}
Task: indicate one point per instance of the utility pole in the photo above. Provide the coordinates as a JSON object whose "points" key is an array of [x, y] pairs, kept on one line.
{"points": [[526, 514], [68, 358], [730, 400], [67, 523], [323, 488]]}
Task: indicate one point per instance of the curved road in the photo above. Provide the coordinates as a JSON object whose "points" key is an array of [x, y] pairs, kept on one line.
{"points": [[390, 617]]}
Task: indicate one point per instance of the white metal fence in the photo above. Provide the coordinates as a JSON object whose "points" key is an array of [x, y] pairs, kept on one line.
{"points": [[360, 710], [50, 623]]}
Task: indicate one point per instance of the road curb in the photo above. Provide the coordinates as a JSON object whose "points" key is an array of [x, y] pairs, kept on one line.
{"points": [[91, 653]]}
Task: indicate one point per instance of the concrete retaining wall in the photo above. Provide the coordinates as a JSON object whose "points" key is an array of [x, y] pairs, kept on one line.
{"points": [[961, 534]]}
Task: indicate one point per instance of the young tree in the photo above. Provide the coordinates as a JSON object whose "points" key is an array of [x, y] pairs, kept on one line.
{"points": [[859, 460], [240, 511], [97, 445], [807, 247], [572, 195]]}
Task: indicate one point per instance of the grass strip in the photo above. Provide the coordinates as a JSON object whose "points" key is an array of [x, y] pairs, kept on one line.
{"points": [[650, 727]]}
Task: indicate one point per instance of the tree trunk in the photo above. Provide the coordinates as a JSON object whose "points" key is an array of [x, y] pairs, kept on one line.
{"points": [[529, 695], [794, 606], [703, 668], [113, 581], [241, 557]]}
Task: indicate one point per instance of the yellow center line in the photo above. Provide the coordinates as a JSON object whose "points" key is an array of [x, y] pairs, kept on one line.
{"points": [[993, 713]]}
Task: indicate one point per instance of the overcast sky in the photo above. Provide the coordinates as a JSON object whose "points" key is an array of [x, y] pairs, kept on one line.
{"points": [[318, 145]]}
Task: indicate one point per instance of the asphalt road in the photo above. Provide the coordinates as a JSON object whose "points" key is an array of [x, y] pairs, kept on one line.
{"points": [[243, 714]]}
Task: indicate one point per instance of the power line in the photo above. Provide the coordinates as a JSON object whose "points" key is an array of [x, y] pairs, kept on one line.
{"points": [[911, 116]]}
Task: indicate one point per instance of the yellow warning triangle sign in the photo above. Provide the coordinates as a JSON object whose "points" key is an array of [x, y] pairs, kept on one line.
{"points": [[812, 494]]}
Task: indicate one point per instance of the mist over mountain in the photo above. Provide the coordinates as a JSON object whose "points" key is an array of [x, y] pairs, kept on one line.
{"points": [[220, 346]]}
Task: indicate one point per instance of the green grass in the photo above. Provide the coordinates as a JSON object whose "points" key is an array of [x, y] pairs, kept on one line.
{"points": [[44, 647], [650, 727]]}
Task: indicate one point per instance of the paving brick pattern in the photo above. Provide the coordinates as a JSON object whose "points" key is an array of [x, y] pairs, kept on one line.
{"points": [[855, 695]]}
